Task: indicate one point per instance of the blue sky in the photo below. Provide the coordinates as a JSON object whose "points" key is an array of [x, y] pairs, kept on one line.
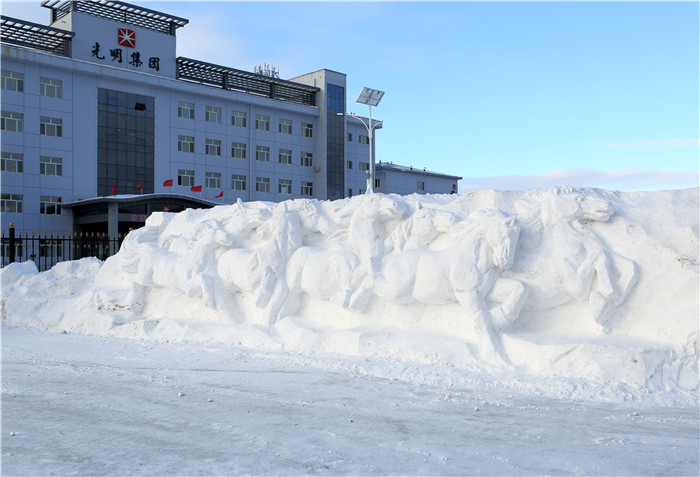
{"points": [[505, 94]]}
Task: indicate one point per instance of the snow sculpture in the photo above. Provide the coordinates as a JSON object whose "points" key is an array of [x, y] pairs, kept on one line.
{"points": [[349, 264], [484, 245], [562, 257]]}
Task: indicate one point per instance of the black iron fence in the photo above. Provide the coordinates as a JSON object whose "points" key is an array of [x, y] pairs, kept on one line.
{"points": [[48, 248]]}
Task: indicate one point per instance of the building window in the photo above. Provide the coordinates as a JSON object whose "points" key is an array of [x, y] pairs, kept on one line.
{"points": [[349, 192], [377, 183], [212, 114], [212, 180], [285, 126], [364, 166], [307, 159], [421, 185], [307, 130], [364, 139], [12, 81], [11, 203], [50, 205], [12, 122], [237, 182], [262, 122], [307, 188], [349, 164], [363, 191], [185, 177], [185, 110], [285, 186], [213, 147], [262, 153], [238, 150], [238, 118], [349, 137], [185, 143], [51, 88], [12, 162], [262, 184], [51, 126], [50, 166], [285, 156]]}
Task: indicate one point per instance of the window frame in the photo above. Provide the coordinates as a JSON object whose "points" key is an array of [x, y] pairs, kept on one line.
{"points": [[307, 189], [183, 174], [182, 141], [236, 146], [239, 117], [307, 159], [262, 122], [284, 156], [285, 126], [185, 110], [262, 152], [50, 163], [212, 114], [284, 186], [47, 84], [262, 183], [212, 180], [47, 124], [212, 147], [16, 158], [7, 77], [9, 198], [11, 117], [238, 180], [307, 130], [50, 205]]}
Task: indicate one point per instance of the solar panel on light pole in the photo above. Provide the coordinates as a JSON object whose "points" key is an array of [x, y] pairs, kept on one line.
{"points": [[370, 97]]}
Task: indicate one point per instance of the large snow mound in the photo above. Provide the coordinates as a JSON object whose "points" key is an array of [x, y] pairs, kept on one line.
{"points": [[563, 288]]}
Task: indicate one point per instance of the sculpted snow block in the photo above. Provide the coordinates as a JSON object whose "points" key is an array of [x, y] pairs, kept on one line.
{"points": [[544, 280]]}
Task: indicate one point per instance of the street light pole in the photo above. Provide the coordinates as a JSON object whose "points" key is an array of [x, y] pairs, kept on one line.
{"points": [[370, 97], [367, 122]]}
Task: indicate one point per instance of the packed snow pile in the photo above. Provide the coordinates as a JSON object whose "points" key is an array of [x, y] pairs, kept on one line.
{"points": [[547, 286]]}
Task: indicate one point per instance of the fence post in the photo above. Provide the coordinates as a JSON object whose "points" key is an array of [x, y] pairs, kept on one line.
{"points": [[12, 242]]}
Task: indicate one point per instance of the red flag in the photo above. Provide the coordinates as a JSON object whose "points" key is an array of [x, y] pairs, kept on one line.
{"points": [[221, 194], [196, 188], [140, 186], [168, 183], [114, 188]]}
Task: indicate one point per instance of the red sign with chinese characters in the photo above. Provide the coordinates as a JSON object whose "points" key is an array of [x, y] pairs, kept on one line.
{"points": [[126, 38]]}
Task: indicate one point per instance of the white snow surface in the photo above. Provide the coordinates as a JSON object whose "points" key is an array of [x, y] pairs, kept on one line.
{"points": [[500, 333], [577, 293]]}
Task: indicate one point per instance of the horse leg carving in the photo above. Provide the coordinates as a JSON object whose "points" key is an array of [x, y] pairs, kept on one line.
{"points": [[489, 343], [510, 296]]}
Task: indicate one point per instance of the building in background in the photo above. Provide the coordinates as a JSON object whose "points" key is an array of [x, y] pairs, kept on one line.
{"points": [[102, 124]]}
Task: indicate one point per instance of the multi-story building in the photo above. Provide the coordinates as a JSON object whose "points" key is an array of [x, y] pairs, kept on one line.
{"points": [[102, 124]]}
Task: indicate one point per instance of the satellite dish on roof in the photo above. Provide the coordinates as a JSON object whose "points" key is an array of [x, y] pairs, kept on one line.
{"points": [[369, 96]]}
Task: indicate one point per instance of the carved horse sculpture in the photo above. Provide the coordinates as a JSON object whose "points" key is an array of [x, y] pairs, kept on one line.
{"points": [[566, 260], [349, 263], [465, 273]]}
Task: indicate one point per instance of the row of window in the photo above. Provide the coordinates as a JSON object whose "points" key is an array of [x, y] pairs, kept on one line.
{"points": [[14, 162], [212, 114], [49, 87], [14, 122], [212, 147], [13, 204], [212, 180]]}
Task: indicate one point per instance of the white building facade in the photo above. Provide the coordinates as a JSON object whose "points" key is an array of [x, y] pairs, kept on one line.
{"points": [[102, 124]]}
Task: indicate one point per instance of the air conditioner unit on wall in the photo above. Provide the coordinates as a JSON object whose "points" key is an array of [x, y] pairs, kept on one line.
{"points": [[317, 168]]}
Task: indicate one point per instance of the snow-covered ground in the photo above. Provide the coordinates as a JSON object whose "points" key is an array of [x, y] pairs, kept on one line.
{"points": [[542, 332]]}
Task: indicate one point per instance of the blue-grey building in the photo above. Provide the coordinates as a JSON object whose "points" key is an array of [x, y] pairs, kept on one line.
{"points": [[102, 123]]}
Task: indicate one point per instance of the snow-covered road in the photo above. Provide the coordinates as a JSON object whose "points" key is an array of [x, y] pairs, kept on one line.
{"points": [[74, 404]]}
